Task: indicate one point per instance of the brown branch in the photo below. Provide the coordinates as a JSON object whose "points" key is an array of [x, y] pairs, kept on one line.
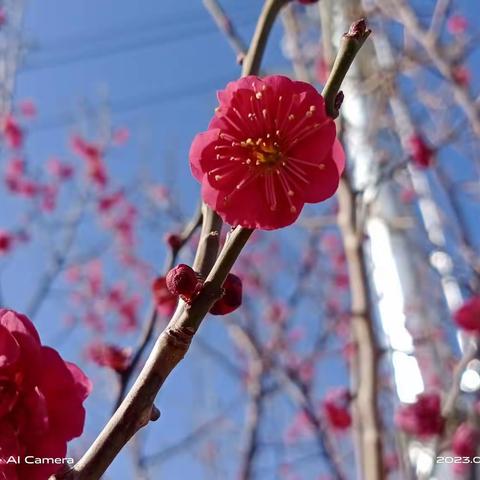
{"points": [[226, 27], [365, 406], [209, 242], [363, 323], [251, 62], [295, 390], [292, 30], [57, 261], [451, 396], [365, 364], [403, 13], [468, 251], [351, 44], [470, 352], [137, 409], [303, 399], [192, 438], [253, 417], [185, 235]]}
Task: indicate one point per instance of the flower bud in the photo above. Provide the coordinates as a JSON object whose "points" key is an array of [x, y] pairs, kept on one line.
{"points": [[357, 29], [173, 241], [421, 153], [336, 406], [182, 281], [232, 296], [467, 317], [6, 241]]}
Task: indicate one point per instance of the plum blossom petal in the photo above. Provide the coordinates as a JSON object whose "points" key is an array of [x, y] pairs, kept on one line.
{"points": [[9, 348], [41, 399], [269, 149]]}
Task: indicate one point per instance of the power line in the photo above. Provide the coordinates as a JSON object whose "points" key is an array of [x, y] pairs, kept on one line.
{"points": [[129, 44], [86, 37], [134, 103]]}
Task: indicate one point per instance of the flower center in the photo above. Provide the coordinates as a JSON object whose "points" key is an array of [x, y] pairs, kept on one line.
{"points": [[265, 152]]}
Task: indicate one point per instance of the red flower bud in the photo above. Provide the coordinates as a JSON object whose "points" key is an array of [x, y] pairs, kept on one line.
{"points": [[182, 281], [358, 29], [173, 241], [422, 155], [12, 132], [232, 296], [467, 317], [308, 2], [336, 407], [6, 241]]}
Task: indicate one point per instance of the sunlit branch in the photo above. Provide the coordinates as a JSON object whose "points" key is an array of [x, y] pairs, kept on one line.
{"points": [[137, 408]]}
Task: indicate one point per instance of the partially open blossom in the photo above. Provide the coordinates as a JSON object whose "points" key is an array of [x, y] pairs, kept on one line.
{"points": [[269, 149], [422, 154], [422, 418], [12, 132], [41, 399], [183, 281], [231, 298], [336, 406], [165, 301], [467, 317], [110, 356]]}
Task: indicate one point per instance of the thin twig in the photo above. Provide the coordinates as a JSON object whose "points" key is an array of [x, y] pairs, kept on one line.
{"points": [[149, 325], [296, 392], [209, 242], [405, 14], [226, 27], [253, 417]]}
